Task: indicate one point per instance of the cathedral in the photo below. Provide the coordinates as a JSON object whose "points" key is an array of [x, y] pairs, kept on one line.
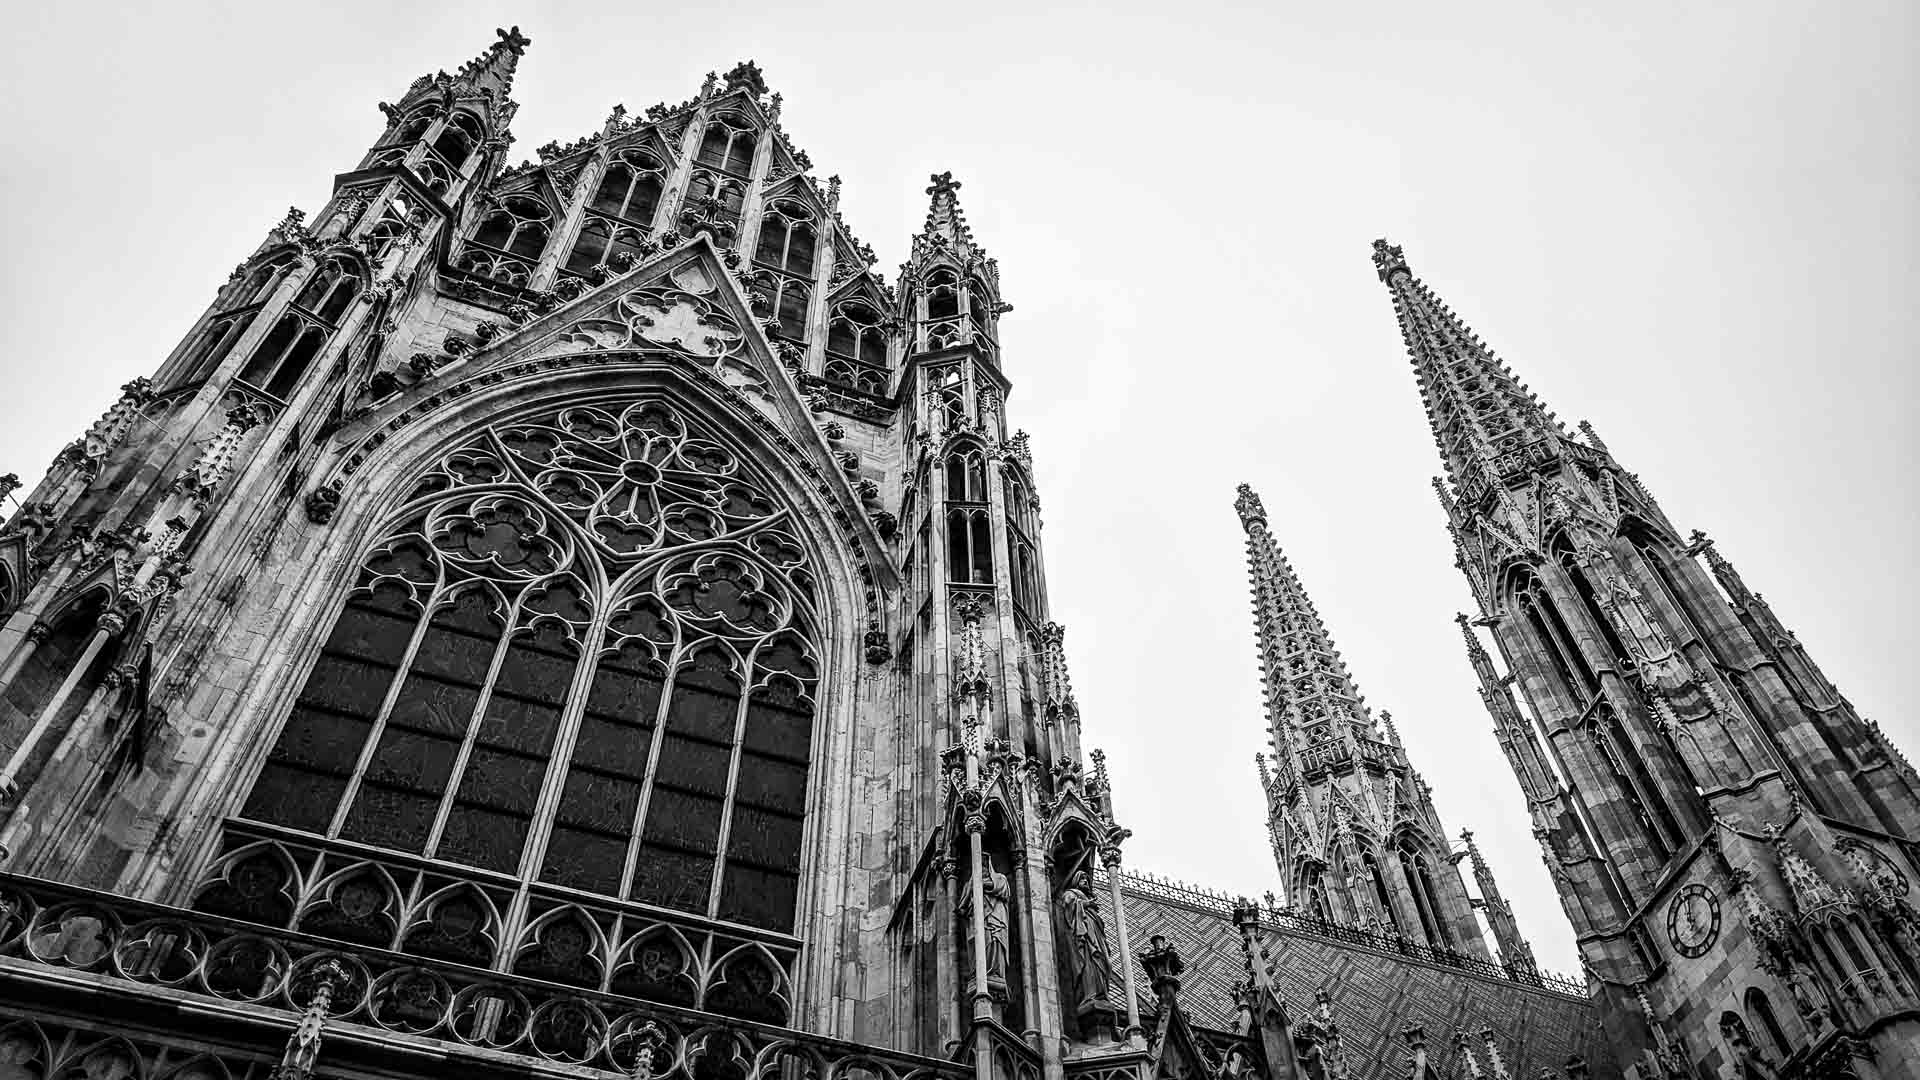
{"points": [[577, 618]]}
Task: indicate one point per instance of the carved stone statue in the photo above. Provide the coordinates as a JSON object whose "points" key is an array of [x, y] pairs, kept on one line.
{"points": [[997, 895], [1084, 934]]}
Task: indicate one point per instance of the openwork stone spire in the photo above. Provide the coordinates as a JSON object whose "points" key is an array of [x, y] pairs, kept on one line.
{"points": [[1486, 423], [1308, 687]]}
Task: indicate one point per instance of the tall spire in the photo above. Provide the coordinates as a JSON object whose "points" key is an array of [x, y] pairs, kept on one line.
{"points": [[1486, 423], [1307, 682]]}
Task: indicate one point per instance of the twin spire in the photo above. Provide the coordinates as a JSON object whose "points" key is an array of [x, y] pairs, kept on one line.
{"points": [[1308, 688]]}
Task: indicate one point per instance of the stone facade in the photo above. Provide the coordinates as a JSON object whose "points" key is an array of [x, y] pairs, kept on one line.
{"points": [[1732, 842]]}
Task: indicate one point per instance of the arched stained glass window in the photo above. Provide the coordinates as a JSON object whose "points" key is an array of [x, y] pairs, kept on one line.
{"points": [[585, 656]]}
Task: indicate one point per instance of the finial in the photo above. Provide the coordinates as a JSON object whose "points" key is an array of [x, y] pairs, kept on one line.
{"points": [[1163, 966], [1389, 260], [1593, 437], [745, 75], [1249, 507], [707, 84], [512, 40], [943, 184], [833, 192]]}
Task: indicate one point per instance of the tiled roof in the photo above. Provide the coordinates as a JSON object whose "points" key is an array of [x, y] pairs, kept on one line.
{"points": [[1376, 994]]}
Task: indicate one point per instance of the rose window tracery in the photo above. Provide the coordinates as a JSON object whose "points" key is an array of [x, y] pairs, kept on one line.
{"points": [[585, 656]]}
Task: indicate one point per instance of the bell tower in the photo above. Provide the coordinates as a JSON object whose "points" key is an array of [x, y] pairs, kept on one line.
{"points": [[1731, 840]]}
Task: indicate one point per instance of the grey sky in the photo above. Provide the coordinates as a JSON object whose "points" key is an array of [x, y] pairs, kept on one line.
{"points": [[1695, 227]]}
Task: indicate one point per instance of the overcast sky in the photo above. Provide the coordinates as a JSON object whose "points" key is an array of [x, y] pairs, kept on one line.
{"points": [[1695, 227]]}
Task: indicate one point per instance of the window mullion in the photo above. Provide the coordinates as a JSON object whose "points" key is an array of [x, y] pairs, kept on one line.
{"points": [[379, 725], [560, 761], [474, 721], [653, 766], [733, 783]]}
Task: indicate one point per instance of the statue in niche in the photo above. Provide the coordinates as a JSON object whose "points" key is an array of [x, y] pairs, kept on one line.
{"points": [[1084, 933], [996, 894]]}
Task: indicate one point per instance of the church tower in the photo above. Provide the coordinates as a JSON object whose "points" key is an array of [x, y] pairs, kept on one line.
{"points": [[1732, 842], [1355, 832], [576, 610]]}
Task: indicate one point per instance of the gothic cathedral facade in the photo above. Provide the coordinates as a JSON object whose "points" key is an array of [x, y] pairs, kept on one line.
{"points": [[577, 618]]}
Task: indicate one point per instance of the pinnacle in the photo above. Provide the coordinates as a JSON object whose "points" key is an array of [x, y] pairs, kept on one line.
{"points": [[495, 67]]}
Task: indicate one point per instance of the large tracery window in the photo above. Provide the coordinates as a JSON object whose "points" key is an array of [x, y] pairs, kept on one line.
{"points": [[585, 656]]}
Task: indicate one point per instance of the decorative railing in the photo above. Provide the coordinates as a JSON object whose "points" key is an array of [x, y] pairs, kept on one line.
{"points": [[376, 992], [1215, 902], [439, 912]]}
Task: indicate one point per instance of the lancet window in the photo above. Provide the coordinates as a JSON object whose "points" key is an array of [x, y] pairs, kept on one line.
{"points": [[585, 656], [967, 476], [1426, 900], [857, 348], [969, 546], [1022, 559], [947, 387], [977, 312], [289, 348], [414, 126], [398, 219], [457, 139], [506, 245], [225, 328], [786, 248], [728, 145], [943, 296], [630, 189]]}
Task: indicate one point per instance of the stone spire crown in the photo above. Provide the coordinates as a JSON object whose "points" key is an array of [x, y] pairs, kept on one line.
{"points": [[946, 236], [1486, 423], [494, 68]]}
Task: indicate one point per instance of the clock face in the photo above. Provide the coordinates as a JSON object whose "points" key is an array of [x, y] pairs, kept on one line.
{"points": [[1693, 921]]}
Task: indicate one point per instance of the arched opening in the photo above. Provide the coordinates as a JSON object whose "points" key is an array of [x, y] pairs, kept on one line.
{"points": [[631, 187], [1426, 899], [728, 145], [1760, 1016], [518, 227], [457, 140], [52, 662]]}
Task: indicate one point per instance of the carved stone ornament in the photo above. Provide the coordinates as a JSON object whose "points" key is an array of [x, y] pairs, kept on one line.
{"points": [[321, 503], [878, 651]]}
